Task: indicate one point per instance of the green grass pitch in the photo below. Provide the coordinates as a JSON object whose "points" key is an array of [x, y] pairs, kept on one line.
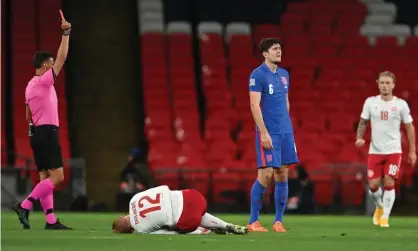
{"points": [[307, 233]]}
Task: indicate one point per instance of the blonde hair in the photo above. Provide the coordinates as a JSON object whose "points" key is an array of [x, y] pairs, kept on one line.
{"points": [[387, 74], [122, 226]]}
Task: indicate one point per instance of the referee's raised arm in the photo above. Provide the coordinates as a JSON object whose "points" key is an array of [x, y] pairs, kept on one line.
{"points": [[63, 49]]}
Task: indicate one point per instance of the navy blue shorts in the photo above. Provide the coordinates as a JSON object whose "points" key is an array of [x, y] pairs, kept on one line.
{"points": [[284, 152]]}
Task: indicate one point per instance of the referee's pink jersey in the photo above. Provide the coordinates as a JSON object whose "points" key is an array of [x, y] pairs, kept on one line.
{"points": [[42, 99]]}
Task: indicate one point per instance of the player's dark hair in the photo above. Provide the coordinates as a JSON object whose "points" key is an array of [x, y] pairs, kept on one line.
{"points": [[267, 43], [40, 57]]}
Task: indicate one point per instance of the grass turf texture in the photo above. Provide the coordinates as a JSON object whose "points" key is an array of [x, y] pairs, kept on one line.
{"points": [[92, 232]]}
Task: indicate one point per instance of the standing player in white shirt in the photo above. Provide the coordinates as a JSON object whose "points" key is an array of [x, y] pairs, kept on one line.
{"points": [[385, 113], [162, 211]]}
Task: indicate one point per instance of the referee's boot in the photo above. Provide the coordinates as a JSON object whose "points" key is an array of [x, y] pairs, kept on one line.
{"points": [[57, 226], [23, 215]]}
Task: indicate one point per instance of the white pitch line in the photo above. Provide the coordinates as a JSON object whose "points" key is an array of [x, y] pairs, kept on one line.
{"points": [[121, 237]]}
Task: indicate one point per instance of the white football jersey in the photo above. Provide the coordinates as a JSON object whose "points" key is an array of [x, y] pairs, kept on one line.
{"points": [[154, 209], [386, 117]]}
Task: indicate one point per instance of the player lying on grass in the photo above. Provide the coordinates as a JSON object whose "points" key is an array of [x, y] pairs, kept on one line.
{"points": [[162, 211], [385, 112]]}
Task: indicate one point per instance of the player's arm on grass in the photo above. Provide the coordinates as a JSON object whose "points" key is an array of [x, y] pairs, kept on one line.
{"points": [[63, 49], [255, 99], [410, 132]]}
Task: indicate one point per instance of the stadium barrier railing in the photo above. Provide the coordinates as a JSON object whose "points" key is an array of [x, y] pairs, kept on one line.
{"points": [[18, 181]]}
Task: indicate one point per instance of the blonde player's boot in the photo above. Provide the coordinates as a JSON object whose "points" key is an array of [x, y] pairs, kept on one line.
{"points": [[384, 222], [235, 229], [377, 216]]}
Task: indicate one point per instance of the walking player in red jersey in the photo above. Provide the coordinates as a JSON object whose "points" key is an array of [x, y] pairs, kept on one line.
{"points": [[42, 115], [386, 112]]}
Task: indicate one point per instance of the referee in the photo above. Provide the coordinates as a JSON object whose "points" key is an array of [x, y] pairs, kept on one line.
{"points": [[42, 115]]}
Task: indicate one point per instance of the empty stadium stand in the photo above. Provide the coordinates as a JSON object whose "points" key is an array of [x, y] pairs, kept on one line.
{"points": [[333, 52], [23, 47], [3, 85], [196, 58], [32, 33]]}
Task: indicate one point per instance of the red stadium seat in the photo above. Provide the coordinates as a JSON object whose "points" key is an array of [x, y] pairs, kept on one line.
{"points": [[332, 70], [240, 46], [24, 35], [353, 8], [22, 51], [343, 123], [288, 18], [304, 107], [289, 29], [324, 192], [355, 41], [265, 30], [224, 182], [299, 51], [353, 190], [297, 7], [353, 52], [298, 39], [329, 96], [194, 170], [390, 42], [316, 29], [328, 83], [159, 135], [313, 122], [327, 18], [381, 52], [331, 106], [305, 95], [349, 25], [327, 51]]}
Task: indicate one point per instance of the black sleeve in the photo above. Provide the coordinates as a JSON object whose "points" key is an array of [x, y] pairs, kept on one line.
{"points": [[123, 174], [144, 176]]}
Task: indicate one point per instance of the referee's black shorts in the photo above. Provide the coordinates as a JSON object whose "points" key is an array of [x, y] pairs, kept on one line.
{"points": [[46, 147]]}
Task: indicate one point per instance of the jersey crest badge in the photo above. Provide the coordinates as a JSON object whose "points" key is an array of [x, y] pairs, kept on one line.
{"points": [[284, 80], [252, 82], [394, 109]]}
